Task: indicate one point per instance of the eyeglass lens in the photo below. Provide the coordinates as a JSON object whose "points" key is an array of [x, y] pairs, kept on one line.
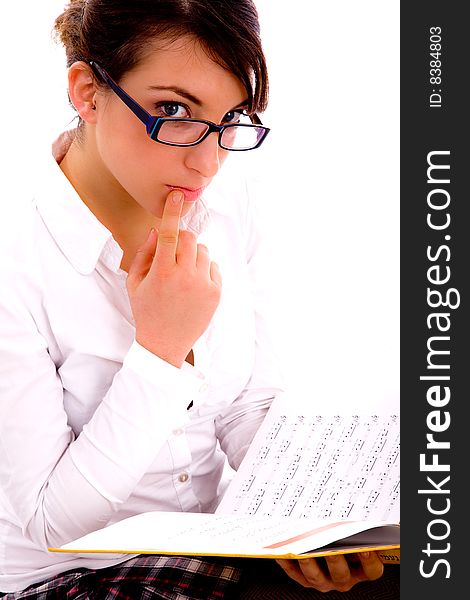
{"points": [[189, 132]]}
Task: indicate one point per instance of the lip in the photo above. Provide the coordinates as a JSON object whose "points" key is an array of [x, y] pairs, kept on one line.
{"points": [[190, 194]]}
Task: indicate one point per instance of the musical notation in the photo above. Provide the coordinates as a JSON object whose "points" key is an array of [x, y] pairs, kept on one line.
{"points": [[333, 466]]}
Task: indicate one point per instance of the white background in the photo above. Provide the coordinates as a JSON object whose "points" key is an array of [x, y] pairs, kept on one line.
{"points": [[329, 174]]}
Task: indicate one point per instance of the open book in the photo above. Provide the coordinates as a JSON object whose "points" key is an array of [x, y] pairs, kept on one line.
{"points": [[310, 485]]}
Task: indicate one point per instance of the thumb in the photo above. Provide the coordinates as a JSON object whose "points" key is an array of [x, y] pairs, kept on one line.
{"points": [[142, 260]]}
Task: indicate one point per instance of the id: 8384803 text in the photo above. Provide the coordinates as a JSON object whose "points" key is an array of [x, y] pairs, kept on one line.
{"points": [[435, 67]]}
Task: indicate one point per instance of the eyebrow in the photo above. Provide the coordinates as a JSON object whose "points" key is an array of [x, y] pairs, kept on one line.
{"points": [[177, 90], [188, 95]]}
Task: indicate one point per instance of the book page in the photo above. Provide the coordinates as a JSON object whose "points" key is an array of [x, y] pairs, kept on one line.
{"points": [[233, 535], [321, 466]]}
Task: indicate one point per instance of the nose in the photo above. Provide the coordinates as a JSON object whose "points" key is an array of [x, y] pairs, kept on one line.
{"points": [[207, 157]]}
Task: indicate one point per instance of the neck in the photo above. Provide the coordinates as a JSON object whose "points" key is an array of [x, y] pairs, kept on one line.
{"points": [[128, 222]]}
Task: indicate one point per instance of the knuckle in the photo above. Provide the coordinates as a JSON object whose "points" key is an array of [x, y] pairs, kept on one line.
{"points": [[168, 238], [343, 586], [321, 587], [164, 273], [187, 236], [342, 580], [188, 284], [289, 568]]}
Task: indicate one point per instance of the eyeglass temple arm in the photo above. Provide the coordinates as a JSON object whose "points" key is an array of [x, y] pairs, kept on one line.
{"points": [[147, 119], [142, 114]]}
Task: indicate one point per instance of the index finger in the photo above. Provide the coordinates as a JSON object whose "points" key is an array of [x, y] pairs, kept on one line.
{"points": [[165, 253]]}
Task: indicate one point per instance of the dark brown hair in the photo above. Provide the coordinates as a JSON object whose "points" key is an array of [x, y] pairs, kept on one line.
{"points": [[117, 34]]}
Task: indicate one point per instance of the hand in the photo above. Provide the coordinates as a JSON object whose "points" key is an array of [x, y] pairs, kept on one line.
{"points": [[336, 573], [174, 288]]}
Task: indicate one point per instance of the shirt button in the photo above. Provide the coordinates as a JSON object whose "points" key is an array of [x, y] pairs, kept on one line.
{"points": [[183, 477], [204, 387], [178, 431]]}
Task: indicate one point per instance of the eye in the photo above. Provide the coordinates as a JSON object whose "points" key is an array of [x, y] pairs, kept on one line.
{"points": [[233, 116], [172, 109]]}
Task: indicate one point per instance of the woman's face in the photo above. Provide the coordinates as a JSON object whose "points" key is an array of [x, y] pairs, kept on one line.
{"points": [[177, 81]]}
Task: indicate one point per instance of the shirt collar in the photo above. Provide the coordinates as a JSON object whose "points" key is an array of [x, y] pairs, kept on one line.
{"points": [[82, 238], [74, 228]]}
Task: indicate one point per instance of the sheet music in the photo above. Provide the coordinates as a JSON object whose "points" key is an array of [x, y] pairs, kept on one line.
{"points": [[321, 466]]}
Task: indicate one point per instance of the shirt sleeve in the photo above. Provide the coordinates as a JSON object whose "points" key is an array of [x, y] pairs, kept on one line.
{"points": [[237, 426], [59, 487]]}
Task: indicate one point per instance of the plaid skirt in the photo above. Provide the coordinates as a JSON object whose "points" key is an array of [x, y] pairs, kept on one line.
{"points": [[141, 578], [188, 578]]}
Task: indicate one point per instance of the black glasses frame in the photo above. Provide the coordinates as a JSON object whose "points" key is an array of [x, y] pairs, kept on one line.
{"points": [[154, 124]]}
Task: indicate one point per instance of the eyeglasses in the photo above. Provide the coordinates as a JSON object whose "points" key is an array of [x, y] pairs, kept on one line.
{"points": [[190, 132]]}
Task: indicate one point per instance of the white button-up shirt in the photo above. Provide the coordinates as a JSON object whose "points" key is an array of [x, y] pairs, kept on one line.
{"points": [[94, 427]]}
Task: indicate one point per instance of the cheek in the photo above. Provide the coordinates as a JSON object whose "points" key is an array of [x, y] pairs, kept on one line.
{"points": [[141, 166], [223, 155], [121, 145]]}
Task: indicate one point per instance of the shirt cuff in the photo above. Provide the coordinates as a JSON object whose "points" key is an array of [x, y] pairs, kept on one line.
{"points": [[186, 381]]}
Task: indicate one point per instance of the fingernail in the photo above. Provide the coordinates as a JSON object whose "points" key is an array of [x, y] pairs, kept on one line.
{"points": [[177, 198], [365, 554]]}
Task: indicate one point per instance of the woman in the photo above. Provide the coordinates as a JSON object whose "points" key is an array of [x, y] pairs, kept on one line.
{"points": [[134, 365]]}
